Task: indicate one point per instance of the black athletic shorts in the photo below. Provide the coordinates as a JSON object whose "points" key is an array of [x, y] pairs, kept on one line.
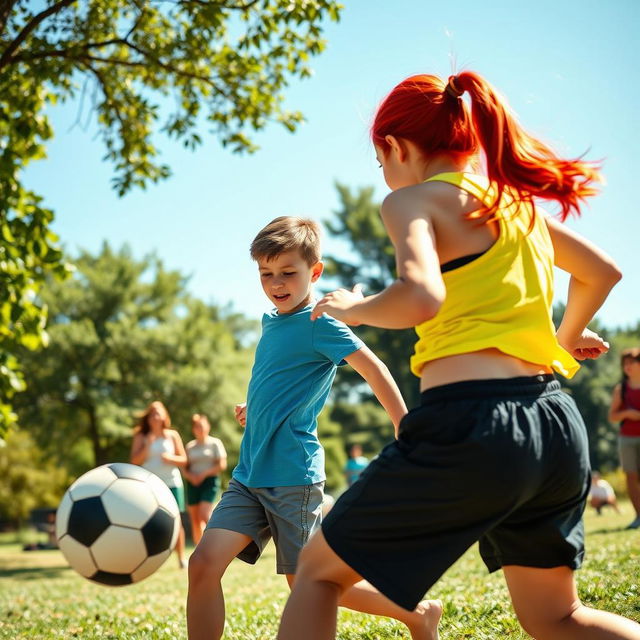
{"points": [[504, 462]]}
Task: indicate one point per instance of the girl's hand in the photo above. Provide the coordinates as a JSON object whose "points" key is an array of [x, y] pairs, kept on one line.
{"points": [[587, 347], [241, 413], [340, 305]]}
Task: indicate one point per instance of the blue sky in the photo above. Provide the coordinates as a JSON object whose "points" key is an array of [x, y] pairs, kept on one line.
{"points": [[567, 67]]}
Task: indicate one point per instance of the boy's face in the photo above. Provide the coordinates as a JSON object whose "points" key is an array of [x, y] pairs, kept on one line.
{"points": [[287, 280]]}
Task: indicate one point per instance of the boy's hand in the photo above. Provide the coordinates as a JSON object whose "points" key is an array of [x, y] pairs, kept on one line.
{"points": [[241, 413], [339, 305], [587, 347]]}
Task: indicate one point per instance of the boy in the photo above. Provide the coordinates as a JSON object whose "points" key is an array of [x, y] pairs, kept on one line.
{"points": [[277, 487]]}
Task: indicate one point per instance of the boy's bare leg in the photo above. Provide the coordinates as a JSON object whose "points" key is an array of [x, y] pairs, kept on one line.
{"points": [[547, 605], [422, 621], [324, 581], [207, 565]]}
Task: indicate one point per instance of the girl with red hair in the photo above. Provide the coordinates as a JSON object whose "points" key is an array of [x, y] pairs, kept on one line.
{"points": [[496, 452]]}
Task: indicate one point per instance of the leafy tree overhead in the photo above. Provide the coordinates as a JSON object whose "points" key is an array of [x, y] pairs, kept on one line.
{"points": [[123, 333], [179, 66]]}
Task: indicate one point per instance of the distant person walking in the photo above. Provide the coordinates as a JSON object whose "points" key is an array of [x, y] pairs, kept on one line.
{"points": [[206, 460], [159, 449], [625, 408]]}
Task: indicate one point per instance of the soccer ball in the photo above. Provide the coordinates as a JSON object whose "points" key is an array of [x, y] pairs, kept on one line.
{"points": [[117, 524]]}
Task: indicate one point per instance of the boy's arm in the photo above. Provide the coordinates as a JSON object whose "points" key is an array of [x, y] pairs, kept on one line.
{"points": [[384, 387], [241, 413]]}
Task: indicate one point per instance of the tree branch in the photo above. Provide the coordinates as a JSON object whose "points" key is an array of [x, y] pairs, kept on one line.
{"points": [[107, 94], [5, 11], [223, 5], [29, 27], [85, 58]]}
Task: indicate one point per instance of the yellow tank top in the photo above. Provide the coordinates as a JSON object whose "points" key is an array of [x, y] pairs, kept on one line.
{"points": [[503, 298]]}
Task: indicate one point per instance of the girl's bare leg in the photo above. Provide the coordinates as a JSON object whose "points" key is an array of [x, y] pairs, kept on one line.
{"points": [[547, 605], [323, 582]]}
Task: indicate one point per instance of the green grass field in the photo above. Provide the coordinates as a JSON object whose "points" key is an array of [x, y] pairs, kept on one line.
{"points": [[41, 598]]}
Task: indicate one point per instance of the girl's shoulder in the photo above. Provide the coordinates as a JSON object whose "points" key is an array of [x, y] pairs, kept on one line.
{"points": [[430, 199]]}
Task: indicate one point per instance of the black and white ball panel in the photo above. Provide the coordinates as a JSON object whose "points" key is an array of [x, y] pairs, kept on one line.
{"points": [[117, 524]]}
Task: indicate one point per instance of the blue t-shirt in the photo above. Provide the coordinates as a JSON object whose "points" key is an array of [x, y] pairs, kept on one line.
{"points": [[294, 368], [354, 467]]}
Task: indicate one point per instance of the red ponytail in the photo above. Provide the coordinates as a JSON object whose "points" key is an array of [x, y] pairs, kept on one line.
{"points": [[427, 111]]}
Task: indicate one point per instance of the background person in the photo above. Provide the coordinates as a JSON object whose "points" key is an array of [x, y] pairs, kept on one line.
{"points": [[601, 494], [159, 449], [356, 464], [625, 408], [206, 460]]}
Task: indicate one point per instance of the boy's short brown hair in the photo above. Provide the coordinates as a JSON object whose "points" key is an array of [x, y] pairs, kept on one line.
{"points": [[288, 233]]}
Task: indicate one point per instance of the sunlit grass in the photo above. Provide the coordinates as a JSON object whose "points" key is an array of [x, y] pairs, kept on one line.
{"points": [[41, 598]]}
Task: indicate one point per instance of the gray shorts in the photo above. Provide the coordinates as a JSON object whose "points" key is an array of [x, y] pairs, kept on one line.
{"points": [[288, 514], [629, 447]]}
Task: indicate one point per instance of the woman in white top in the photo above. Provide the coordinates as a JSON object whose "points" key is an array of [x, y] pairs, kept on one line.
{"points": [[207, 459], [159, 449]]}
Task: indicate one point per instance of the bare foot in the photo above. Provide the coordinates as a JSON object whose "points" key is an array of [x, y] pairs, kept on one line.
{"points": [[425, 619]]}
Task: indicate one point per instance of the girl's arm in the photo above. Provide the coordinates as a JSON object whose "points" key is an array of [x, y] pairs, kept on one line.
{"points": [[418, 292], [384, 387], [139, 449], [593, 275]]}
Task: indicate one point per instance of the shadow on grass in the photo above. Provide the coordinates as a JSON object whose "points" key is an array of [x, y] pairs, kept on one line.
{"points": [[34, 573], [610, 530]]}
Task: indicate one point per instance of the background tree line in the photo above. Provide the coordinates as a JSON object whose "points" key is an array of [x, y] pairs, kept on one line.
{"points": [[125, 331]]}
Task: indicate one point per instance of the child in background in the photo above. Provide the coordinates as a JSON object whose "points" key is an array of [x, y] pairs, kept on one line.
{"points": [[276, 490], [601, 494], [475, 258]]}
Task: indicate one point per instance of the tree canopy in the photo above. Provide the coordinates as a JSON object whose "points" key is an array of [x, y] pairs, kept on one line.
{"points": [[123, 333], [175, 66]]}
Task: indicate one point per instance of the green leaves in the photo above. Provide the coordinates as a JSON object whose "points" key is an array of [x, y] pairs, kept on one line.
{"points": [[177, 67], [123, 332]]}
